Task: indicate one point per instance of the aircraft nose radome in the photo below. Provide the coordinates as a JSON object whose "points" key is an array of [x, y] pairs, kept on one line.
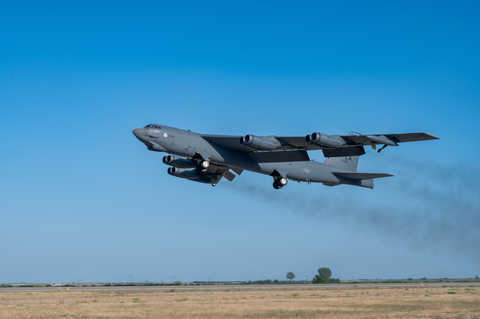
{"points": [[138, 132]]}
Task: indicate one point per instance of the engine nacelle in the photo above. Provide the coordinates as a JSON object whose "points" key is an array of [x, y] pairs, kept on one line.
{"points": [[178, 162], [325, 140], [263, 143], [194, 175]]}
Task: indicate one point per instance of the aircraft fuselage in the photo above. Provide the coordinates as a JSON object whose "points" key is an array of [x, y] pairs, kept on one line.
{"points": [[192, 145]]}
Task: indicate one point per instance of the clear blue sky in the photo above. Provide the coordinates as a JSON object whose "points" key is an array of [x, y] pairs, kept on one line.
{"points": [[83, 200]]}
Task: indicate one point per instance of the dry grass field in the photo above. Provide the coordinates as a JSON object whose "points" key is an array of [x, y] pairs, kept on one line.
{"points": [[321, 302]]}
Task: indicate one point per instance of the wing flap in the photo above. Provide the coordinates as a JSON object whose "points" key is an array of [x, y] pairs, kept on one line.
{"points": [[229, 175], [288, 143], [280, 156], [237, 170], [343, 151]]}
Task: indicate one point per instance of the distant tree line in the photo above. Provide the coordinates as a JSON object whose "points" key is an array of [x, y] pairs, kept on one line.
{"points": [[324, 276]]}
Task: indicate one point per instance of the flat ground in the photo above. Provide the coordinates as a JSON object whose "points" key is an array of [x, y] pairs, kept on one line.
{"points": [[349, 301]]}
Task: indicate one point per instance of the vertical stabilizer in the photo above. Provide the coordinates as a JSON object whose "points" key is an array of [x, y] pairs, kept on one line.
{"points": [[348, 163]]}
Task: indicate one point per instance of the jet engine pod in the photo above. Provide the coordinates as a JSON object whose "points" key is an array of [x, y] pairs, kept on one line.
{"points": [[179, 162], [172, 171], [183, 172], [194, 175], [325, 140], [263, 143], [191, 173]]}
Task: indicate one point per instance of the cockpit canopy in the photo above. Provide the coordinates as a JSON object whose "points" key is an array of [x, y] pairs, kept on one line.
{"points": [[153, 126]]}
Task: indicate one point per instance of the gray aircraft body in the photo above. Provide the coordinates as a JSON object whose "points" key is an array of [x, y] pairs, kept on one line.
{"points": [[207, 158]]}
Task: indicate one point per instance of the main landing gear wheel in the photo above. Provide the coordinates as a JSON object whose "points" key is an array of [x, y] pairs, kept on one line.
{"points": [[204, 164], [279, 182]]}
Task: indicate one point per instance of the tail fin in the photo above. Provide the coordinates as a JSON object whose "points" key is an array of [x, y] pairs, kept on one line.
{"points": [[348, 163]]}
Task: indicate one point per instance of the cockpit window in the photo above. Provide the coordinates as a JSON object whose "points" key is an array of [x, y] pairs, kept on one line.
{"points": [[153, 126]]}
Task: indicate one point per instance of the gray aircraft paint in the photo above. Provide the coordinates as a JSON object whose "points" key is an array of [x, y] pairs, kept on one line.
{"points": [[291, 164]]}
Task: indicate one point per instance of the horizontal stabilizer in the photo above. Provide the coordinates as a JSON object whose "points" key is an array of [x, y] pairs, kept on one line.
{"points": [[344, 151], [359, 176]]}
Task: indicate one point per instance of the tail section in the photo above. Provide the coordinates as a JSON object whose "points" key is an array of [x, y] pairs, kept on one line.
{"points": [[347, 171]]}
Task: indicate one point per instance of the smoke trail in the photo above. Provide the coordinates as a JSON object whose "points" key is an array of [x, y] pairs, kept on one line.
{"points": [[434, 214]]}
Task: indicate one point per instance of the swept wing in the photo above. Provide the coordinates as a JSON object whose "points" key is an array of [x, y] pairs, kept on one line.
{"points": [[345, 145]]}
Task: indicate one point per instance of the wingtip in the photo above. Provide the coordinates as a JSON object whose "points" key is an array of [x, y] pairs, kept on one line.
{"points": [[387, 175], [433, 137]]}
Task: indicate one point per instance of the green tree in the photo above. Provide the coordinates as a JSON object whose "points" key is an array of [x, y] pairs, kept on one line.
{"points": [[323, 275], [290, 275]]}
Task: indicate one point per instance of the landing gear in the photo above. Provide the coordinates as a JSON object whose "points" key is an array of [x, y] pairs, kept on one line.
{"points": [[203, 165], [279, 182], [382, 148]]}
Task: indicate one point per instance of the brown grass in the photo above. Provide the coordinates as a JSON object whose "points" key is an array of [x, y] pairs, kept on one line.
{"points": [[321, 302]]}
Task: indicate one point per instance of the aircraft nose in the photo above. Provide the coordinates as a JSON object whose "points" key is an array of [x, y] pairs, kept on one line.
{"points": [[139, 133]]}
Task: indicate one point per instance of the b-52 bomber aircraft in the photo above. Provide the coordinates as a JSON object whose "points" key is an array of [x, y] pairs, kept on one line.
{"points": [[207, 158]]}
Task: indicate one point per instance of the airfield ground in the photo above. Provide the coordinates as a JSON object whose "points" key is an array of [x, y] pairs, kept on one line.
{"points": [[289, 301]]}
